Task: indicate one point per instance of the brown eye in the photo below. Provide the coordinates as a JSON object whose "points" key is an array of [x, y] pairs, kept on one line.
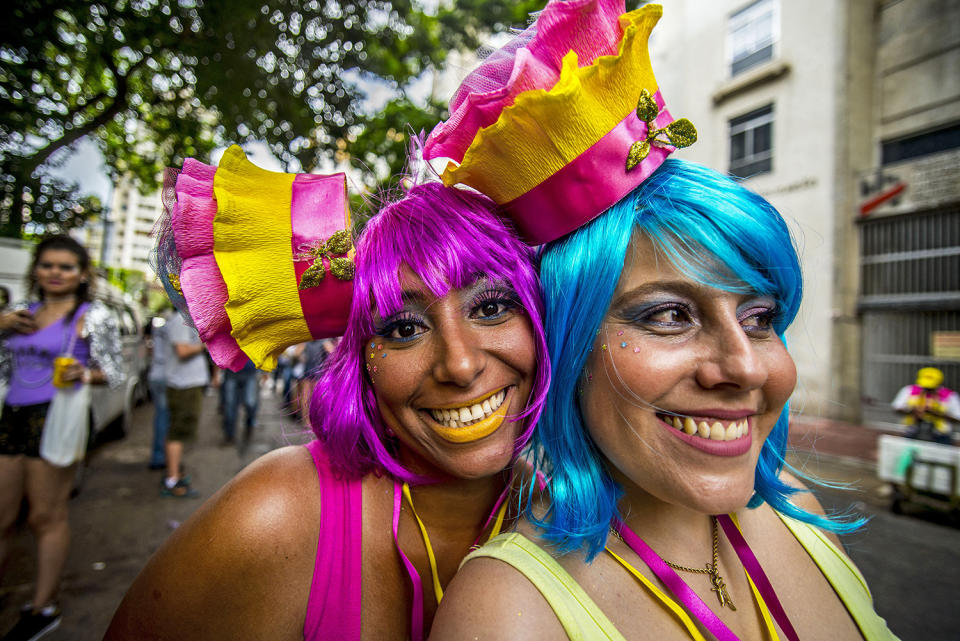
{"points": [[669, 316], [406, 330], [489, 309]]}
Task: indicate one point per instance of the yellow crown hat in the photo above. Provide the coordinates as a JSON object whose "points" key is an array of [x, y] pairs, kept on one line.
{"points": [[263, 260], [559, 156]]}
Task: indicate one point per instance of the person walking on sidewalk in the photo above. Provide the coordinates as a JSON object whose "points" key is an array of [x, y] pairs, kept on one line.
{"points": [[187, 375], [240, 388], [157, 383]]}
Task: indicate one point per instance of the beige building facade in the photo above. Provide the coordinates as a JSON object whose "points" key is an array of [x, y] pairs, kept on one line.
{"points": [[125, 240], [816, 103]]}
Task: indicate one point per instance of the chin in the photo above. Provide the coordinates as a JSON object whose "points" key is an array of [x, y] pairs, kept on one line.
{"points": [[721, 496]]}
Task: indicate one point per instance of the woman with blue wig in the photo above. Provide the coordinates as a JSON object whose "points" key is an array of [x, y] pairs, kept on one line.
{"points": [[668, 288]]}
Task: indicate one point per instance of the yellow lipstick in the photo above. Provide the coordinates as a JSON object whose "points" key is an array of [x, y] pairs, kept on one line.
{"points": [[478, 430]]}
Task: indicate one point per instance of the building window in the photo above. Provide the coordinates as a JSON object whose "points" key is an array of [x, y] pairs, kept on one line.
{"points": [[751, 143], [752, 33], [924, 144]]}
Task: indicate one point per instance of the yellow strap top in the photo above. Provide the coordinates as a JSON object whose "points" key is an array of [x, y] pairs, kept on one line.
{"points": [[437, 588]]}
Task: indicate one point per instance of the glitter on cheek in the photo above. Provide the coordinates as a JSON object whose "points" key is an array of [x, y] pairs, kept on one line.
{"points": [[604, 347], [624, 344], [379, 347], [620, 333], [384, 355], [636, 350]]}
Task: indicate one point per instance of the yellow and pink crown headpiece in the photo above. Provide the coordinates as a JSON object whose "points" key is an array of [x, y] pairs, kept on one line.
{"points": [[564, 121], [260, 260]]}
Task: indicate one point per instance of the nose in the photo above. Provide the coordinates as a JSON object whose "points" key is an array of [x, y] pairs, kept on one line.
{"points": [[731, 359], [459, 358]]}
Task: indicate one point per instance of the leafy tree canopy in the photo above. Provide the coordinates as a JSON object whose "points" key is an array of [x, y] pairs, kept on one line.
{"points": [[155, 81]]}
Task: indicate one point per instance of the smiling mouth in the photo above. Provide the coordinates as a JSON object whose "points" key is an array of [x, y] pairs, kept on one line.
{"points": [[708, 428], [473, 421], [467, 415]]}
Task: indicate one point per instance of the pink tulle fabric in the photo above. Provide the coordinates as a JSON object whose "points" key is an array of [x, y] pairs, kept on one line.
{"points": [[532, 60], [200, 278]]}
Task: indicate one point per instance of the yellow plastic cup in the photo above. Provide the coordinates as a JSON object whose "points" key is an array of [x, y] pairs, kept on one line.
{"points": [[60, 364]]}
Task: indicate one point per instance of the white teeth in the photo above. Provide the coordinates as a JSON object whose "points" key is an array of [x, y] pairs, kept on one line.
{"points": [[716, 431], [460, 416]]}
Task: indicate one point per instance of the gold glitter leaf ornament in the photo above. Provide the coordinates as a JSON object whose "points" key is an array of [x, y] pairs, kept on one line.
{"points": [[174, 281], [679, 133], [313, 276], [339, 243], [647, 109], [341, 267], [638, 151]]}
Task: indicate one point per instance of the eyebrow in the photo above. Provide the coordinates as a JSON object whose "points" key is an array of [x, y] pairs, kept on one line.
{"points": [[684, 287]]}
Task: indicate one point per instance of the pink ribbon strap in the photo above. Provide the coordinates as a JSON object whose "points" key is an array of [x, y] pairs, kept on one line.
{"points": [[314, 205], [416, 610], [752, 565], [684, 593], [590, 184]]}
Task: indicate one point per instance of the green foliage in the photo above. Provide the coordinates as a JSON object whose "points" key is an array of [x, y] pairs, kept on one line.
{"points": [[152, 82]]}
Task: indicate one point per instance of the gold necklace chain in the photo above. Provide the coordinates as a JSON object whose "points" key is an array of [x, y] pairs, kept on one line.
{"points": [[711, 569]]}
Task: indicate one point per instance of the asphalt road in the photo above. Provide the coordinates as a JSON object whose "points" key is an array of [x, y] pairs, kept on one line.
{"points": [[119, 519]]}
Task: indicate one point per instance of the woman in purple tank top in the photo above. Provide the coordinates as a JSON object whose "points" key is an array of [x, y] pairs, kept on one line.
{"points": [[62, 322], [419, 415]]}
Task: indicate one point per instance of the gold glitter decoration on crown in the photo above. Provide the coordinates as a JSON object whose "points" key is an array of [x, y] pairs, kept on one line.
{"points": [[341, 267], [679, 133], [174, 281]]}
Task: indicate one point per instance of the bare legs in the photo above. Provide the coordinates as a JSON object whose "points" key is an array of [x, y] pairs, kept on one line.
{"points": [[47, 489], [174, 457]]}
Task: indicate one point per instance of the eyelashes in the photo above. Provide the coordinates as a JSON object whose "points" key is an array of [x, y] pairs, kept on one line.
{"points": [[756, 316], [494, 303], [488, 306], [402, 327]]}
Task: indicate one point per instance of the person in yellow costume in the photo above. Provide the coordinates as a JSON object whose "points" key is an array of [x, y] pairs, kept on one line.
{"points": [[929, 408]]}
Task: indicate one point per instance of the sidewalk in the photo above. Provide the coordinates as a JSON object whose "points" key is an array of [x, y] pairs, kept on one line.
{"points": [[826, 437], [119, 519]]}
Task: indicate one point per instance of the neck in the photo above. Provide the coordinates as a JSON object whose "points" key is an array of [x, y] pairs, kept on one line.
{"points": [[458, 505], [677, 533], [56, 300]]}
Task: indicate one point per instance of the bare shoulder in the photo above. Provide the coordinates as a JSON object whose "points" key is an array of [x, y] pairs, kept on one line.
{"points": [[490, 599], [240, 567]]}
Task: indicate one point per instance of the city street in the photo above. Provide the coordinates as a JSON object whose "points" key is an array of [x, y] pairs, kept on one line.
{"points": [[119, 519]]}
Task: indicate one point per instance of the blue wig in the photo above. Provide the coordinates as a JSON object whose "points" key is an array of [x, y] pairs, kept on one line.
{"points": [[698, 218]]}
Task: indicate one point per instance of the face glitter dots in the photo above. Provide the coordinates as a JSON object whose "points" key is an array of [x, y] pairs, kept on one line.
{"points": [[623, 344]]}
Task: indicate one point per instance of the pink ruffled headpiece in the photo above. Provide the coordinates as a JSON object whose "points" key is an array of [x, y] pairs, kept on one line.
{"points": [[532, 60]]}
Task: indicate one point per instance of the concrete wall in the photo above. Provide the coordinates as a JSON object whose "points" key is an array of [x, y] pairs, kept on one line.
{"points": [[918, 66]]}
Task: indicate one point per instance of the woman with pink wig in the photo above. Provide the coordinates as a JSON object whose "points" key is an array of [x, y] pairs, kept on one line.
{"points": [[419, 414]]}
